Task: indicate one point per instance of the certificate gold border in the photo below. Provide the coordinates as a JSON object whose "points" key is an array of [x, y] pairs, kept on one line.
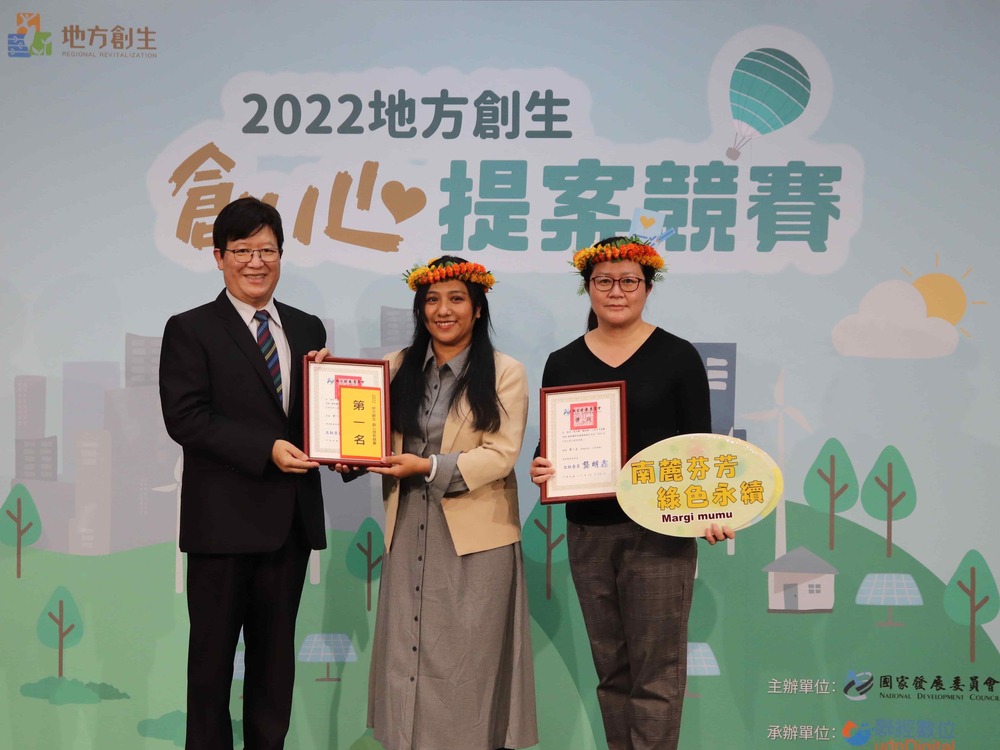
{"points": [[375, 373]]}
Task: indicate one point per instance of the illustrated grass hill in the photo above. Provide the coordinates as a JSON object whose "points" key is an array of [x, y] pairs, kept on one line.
{"points": [[774, 669]]}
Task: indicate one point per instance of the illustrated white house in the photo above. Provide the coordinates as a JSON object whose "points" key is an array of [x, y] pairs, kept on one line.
{"points": [[800, 582]]}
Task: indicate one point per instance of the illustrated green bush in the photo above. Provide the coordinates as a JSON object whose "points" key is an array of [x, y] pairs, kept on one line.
{"points": [[107, 692], [171, 726], [61, 691], [70, 692]]}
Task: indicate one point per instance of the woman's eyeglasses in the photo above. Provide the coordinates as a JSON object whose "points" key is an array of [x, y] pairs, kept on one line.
{"points": [[625, 283]]}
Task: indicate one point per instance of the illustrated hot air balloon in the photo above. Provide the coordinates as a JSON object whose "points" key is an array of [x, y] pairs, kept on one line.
{"points": [[768, 90]]}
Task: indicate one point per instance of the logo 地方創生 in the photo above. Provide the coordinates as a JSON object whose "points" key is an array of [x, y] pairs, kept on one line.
{"points": [[86, 40], [858, 684], [28, 39]]}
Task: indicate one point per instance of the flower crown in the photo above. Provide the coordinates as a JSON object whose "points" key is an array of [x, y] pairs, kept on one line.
{"points": [[623, 248], [431, 273]]}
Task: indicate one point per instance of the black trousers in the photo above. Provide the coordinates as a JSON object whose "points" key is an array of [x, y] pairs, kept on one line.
{"points": [[635, 589], [259, 593]]}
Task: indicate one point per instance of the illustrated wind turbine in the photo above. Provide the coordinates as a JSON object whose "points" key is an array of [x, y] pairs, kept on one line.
{"points": [[178, 555], [779, 412]]}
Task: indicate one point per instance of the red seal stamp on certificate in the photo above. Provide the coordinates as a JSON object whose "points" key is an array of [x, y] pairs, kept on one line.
{"points": [[583, 416]]}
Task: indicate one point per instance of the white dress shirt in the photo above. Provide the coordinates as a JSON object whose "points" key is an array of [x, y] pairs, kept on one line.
{"points": [[277, 333]]}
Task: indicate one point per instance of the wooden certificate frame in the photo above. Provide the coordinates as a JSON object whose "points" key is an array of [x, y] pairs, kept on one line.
{"points": [[583, 434], [363, 386]]}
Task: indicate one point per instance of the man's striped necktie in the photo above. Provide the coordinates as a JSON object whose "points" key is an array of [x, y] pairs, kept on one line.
{"points": [[268, 348]]}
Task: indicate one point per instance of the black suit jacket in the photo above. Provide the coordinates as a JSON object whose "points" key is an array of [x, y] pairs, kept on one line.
{"points": [[219, 403]]}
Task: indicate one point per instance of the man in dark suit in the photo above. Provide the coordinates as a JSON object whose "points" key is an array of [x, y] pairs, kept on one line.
{"points": [[251, 503]]}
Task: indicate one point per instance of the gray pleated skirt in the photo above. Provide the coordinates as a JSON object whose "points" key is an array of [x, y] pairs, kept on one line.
{"points": [[451, 660]]}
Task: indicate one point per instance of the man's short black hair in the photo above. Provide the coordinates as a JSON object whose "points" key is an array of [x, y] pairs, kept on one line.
{"points": [[243, 218]]}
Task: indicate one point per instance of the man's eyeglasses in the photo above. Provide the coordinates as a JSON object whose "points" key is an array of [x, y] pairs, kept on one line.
{"points": [[625, 283], [243, 255]]}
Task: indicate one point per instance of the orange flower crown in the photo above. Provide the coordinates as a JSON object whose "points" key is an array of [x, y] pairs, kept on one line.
{"points": [[431, 273], [624, 248]]}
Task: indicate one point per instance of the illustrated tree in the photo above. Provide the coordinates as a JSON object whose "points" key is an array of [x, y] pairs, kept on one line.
{"points": [[831, 486], [20, 525], [541, 519], [971, 597], [364, 554], [888, 493], [60, 625]]}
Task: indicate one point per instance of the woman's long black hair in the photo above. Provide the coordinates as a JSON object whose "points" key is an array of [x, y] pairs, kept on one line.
{"points": [[477, 381], [647, 273]]}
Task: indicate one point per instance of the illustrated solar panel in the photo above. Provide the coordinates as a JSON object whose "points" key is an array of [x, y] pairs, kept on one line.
{"points": [[895, 589], [327, 647], [701, 660]]}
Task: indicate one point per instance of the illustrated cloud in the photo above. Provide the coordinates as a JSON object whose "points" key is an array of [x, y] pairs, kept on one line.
{"points": [[892, 323]]}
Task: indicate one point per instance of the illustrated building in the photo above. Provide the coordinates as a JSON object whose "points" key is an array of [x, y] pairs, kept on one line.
{"points": [[143, 457], [36, 458], [142, 360], [35, 455], [115, 449], [84, 384], [55, 503], [720, 364], [90, 528], [328, 324], [36, 462], [29, 407], [800, 582], [395, 332]]}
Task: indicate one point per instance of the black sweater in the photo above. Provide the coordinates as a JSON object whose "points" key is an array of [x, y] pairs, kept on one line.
{"points": [[666, 390]]}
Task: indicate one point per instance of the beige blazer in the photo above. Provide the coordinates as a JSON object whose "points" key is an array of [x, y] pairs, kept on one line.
{"points": [[485, 517]]}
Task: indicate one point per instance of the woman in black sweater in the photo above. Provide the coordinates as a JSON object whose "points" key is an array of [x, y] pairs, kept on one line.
{"points": [[634, 585]]}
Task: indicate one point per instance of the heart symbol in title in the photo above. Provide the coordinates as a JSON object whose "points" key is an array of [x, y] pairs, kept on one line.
{"points": [[402, 202]]}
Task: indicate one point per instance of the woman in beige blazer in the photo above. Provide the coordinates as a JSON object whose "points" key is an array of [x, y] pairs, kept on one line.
{"points": [[451, 657]]}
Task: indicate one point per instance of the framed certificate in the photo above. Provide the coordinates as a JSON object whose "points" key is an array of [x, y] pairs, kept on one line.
{"points": [[346, 410], [583, 435]]}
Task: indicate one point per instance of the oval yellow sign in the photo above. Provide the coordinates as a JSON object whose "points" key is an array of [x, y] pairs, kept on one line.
{"points": [[682, 485]]}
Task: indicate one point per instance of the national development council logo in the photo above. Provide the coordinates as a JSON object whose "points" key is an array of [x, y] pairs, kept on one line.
{"points": [[28, 40], [858, 684]]}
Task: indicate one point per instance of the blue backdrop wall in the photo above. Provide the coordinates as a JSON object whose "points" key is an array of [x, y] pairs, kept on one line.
{"points": [[829, 171]]}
